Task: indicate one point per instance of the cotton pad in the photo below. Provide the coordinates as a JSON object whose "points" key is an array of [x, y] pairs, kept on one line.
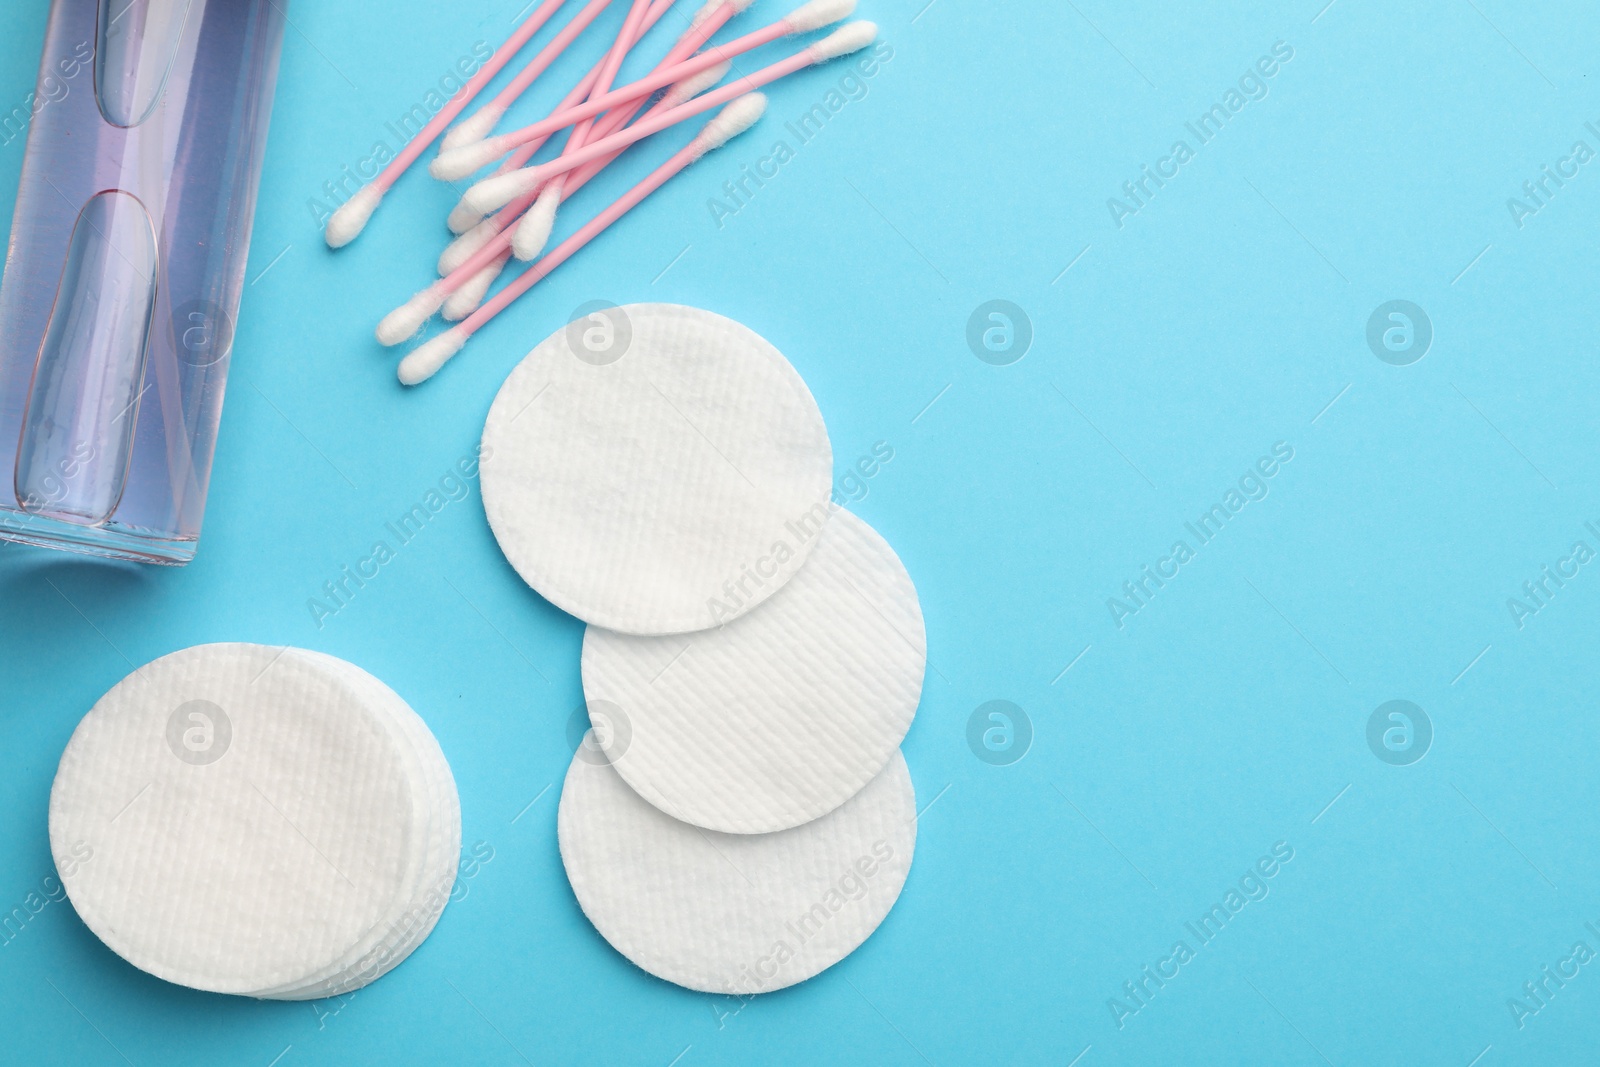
{"points": [[261, 821], [734, 913], [656, 469], [782, 715], [413, 916]]}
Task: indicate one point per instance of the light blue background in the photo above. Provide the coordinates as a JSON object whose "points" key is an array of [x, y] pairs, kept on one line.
{"points": [[1226, 716]]}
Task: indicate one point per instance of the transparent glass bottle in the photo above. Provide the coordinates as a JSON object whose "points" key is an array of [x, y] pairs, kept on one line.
{"points": [[127, 258]]}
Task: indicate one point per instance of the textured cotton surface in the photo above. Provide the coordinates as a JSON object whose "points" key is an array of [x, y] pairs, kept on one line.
{"points": [[413, 915], [731, 913], [779, 716], [260, 820], [667, 479]]}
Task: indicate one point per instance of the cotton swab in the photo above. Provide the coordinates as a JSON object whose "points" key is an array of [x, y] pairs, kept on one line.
{"points": [[474, 128], [465, 299], [705, 24], [679, 93], [738, 116], [483, 120], [471, 225], [463, 287], [461, 249], [460, 162], [466, 289], [458, 221], [474, 239], [534, 231], [477, 127], [352, 215], [481, 248], [496, 192]]}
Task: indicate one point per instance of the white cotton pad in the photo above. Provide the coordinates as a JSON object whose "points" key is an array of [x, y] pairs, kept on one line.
{"points": [[656, 469], [411, 926], [414, 915], [734, 913], [782, 715], [258, 817]]}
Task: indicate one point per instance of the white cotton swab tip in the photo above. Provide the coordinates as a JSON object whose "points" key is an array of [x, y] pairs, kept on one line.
{"points": [[405, 320], [711, 6], [730, 122], [460, 162], [462, 218], [465, 300], [352, 216], [473, 130], [533, 232], [461, 249], [693, 86], [424, 362], [819, 13], [494, 193], [852, 37]]}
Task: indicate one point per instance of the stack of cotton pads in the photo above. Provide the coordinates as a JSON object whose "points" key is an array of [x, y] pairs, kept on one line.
{"points": [[754, 657], [268, 822]]}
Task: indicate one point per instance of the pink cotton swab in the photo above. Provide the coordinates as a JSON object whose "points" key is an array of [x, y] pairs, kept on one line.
{"points": [[460, 162], [738, 116], [476, 127], [485, 118], [531, 233], [483, 247], [462, 288], [466, 299], [493, 193], [462, 248], [352, 215], [706, 22], [475, 231], [534, 231], [466, 283], [550, 197]]}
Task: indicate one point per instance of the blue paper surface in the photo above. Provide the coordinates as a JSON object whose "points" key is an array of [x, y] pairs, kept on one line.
{"points": [[1192, 718]]}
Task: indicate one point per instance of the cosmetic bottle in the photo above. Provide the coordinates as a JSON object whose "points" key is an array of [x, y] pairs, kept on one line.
{"points": [[126, 262]]}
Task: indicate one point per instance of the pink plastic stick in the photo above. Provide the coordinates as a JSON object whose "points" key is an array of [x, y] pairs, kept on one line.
{"points": [[529, 74], [645, 86], [602, 86], [497, 245], [624, 115], [610, 123], [631, 31], [424, 362], [429, 133], [658, 122], [588, 232], [692, 39]]}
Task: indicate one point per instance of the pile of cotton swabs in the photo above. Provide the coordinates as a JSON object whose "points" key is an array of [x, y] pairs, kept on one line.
{"points": [[513, 211]]}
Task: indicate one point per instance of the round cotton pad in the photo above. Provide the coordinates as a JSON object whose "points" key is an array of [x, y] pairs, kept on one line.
{"points": [[779, 716], [656, 469], [251, 817], [735, 914], [412, 917]]}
